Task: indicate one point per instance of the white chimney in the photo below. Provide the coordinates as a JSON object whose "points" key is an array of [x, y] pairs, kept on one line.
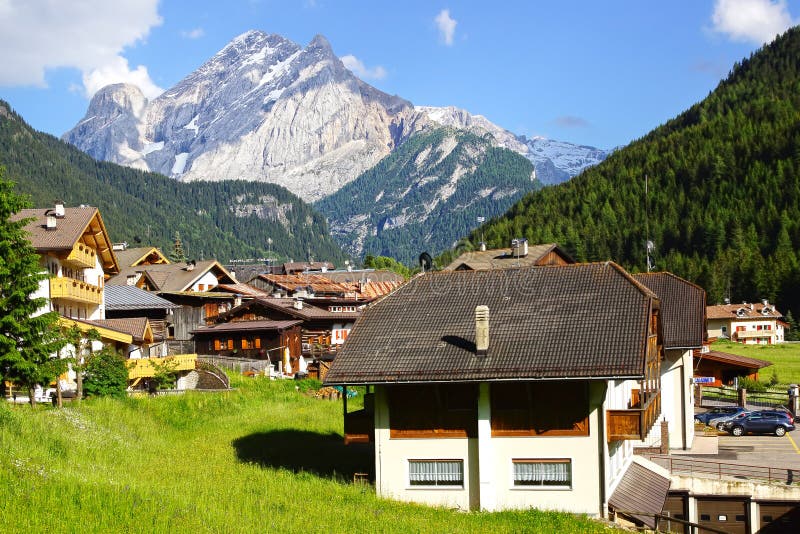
{"points": [[59, 209], [519, 247], [483, 246], [51, 221], [481, 330], [298, 304]]}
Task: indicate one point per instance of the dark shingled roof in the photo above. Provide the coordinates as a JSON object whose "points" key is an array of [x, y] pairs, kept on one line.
{"points": [[641, 489], [576, 321], [133, 298], [246, 326], [478, 260], [683, 309]]}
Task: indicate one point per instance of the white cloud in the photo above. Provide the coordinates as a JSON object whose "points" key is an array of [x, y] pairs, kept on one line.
{"points": [[359, 69], [446, 25], [757, 21], [36, 35], [193, 34], [118, 72]]}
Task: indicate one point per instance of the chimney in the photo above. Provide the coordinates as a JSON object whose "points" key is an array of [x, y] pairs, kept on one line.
{"points": [[482, 246], [481, 331], [59, 209], [52, 223], [298, 304], [190, 265]]}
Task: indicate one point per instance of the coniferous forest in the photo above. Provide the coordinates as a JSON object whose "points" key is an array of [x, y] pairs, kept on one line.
{"points": [[222, 220], [723, 200]]}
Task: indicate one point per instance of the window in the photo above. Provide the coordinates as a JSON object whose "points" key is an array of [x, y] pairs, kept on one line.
{"points": [[436, 472], [433, 411], [531, 409], [557, 472]]}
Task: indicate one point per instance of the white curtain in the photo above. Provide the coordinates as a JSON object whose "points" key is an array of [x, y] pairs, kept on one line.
{"points": [[542, 473], [445, 473]]}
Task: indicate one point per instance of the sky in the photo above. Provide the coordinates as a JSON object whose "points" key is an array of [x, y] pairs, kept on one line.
{"points": [[588, 72]]}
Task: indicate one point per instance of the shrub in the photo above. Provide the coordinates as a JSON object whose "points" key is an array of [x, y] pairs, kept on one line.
{"points": [[106, 375], [754, 386], [773, 380]]}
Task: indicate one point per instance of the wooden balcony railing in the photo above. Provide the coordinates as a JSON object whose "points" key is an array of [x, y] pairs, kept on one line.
{"points": [[75, 290], [749, 334], [81, 257], [359, 427], [634, 423], [146, 367]]}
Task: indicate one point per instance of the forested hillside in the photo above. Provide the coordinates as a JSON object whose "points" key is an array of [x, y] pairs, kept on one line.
{"points": [[223, 220], [724, 190], [426, 194]]}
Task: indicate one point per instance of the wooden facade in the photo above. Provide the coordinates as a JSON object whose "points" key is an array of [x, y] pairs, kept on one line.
{"points": [[645, 405], [257, 344]]}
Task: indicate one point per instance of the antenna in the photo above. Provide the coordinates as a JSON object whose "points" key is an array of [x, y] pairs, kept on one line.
{"points": [[648, 245]]}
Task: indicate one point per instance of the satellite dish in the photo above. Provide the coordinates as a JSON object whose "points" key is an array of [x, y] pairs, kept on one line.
{"points": [[425, 262]]}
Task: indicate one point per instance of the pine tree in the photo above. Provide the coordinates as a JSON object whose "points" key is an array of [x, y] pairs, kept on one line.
{"points": [[28, 342], [178, 255]]}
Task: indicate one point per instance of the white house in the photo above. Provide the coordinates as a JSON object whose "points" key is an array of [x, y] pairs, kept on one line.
{"points": [[511, 388], [747, 323]]}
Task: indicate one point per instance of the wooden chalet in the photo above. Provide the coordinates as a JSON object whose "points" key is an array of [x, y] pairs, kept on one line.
{"points": [[725, 367], [134, 257], [509, 388], [261, 327]]}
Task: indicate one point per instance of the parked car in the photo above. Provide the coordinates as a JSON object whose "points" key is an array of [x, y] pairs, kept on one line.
{"points": [[719, 423], [761, 422], [716, 413]]}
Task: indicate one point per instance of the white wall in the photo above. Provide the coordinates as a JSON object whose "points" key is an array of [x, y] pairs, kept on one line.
{"points": [[677, 397], [208, 281], [584, 495]]}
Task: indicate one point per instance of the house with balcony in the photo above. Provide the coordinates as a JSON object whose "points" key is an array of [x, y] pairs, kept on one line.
{"points": [[746, 323], [75, 249], [511, 388], [683, 316]]}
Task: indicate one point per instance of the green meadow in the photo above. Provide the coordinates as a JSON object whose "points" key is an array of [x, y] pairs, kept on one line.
{"points": [[785, 358], [263, 457]]}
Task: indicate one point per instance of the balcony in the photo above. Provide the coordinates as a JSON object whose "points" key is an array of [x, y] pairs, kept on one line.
{"points": [[81, 257], [359, 427], [750, 334], [75, 290], [146, 367], [634, 423]]}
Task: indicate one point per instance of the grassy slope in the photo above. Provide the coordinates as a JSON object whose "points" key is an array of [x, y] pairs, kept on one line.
{"points": [[784, 356], [256, 459]]}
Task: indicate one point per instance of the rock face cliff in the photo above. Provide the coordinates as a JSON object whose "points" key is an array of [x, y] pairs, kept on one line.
{"points": [[555, 161], [261, 109]]}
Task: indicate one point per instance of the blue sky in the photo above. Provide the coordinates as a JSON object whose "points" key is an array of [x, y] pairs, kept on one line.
{"points": [[596, 73]]}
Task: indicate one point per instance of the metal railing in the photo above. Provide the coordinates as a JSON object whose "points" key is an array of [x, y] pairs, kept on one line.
{"points": [[692, 466]]}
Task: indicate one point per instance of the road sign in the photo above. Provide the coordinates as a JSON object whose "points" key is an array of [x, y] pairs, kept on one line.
{"points": [[704, 380]]}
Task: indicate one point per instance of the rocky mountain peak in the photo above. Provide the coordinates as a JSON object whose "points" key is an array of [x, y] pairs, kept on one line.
{"points": [[117, 99]]}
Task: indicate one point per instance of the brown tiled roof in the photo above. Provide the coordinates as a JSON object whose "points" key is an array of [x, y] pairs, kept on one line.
{"points": [[373, 290], [683, 307], [503, 258], [732, 359], [132, 256], [69, 230], [173, 276], [641, 490], [307, 312], [135, 326], [242, 289], [317, 283], [368, 275], [576, 321], [729, 311], [246, 326]]}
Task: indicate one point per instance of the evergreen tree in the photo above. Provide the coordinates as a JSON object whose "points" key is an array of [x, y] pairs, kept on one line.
{"points": [[791, 333], [28, 339], [178, 255]]}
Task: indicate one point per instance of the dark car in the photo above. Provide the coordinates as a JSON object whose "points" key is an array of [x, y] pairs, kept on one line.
{"points": [[761, 422], [716, 413]]}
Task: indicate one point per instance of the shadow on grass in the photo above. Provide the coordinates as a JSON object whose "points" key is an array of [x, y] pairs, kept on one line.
{"points": [[299, 451]]}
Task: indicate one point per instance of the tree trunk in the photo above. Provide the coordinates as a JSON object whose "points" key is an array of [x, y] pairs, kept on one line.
{"points": [[32, 396], [79, 382], [59, 400]]}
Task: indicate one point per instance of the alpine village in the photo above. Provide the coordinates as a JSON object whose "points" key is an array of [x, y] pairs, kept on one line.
{"points": [[397, 318]]}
